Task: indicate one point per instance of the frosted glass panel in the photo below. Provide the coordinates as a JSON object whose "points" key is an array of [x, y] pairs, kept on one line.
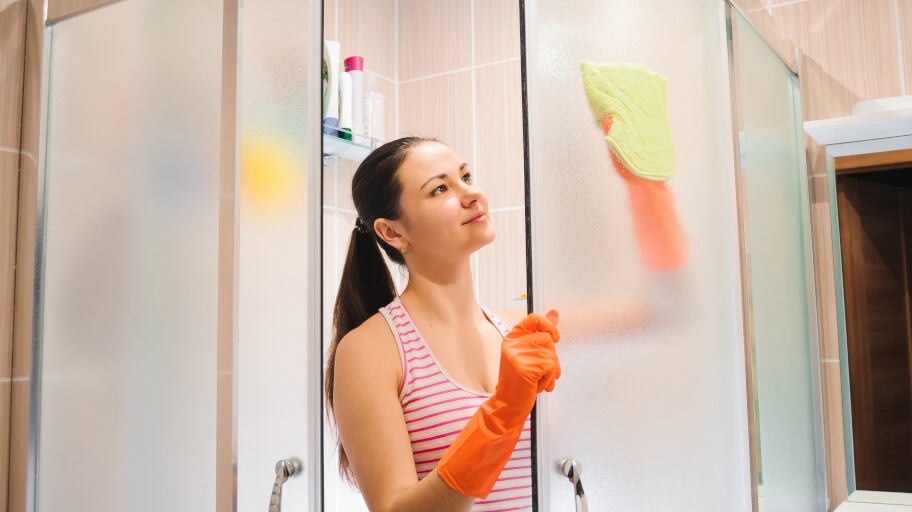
{"points": [[279, 387], [772, 164], [128, 341], [652, 399]]}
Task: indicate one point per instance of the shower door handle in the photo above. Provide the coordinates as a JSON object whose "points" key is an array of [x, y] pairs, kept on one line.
{"points": [[284, 469], [572, 470]]}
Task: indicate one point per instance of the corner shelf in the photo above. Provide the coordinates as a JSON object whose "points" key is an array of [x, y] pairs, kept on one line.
{"points": [[339, 147]]}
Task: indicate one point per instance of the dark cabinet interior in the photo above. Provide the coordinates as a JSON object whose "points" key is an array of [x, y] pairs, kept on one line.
{"points": [[875, 226]]}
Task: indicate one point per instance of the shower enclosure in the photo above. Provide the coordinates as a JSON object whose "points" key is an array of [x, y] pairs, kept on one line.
{"points": [[177, 348]]}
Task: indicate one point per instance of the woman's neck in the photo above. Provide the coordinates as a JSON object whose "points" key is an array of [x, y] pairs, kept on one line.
{"points": [[444, 296]]}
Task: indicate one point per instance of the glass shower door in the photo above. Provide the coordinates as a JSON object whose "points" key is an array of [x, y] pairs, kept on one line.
{"points": [[779, 278], [652, 398], [177, 351]]}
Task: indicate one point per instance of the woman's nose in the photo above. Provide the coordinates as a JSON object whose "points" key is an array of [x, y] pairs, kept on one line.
{"points": [[470, 194]]}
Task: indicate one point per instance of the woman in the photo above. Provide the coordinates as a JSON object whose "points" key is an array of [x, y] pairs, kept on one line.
{"points": [[432, 394]]}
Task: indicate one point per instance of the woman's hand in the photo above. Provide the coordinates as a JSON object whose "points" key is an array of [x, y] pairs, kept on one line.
{"points": [[528, 365], [528, 362]]}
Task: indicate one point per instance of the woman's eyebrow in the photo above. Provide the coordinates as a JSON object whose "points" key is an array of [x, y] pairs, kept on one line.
{"points": [[441, 176], [432, 178]]}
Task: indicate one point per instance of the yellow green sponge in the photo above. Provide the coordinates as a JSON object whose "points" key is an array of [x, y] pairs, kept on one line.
{"points": [[629, 102]]}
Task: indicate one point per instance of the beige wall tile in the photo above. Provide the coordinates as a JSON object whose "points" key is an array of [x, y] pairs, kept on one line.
{"points": [[329, 184], [440, 107], [388, 89], [345, 170], [5, 389], [18, 446], [851, 52], [502, 264], [9, 201], [496, 30], [12, 46], [25, 257], [434, 36], [329, 19], [905, 28], [59, 9], [500, 136], [833, 432], [823, 268], [330, 283], [32, 83], [367, 29]]}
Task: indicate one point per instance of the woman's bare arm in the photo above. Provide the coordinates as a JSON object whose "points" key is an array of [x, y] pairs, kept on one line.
{"points": [[372, 427]]}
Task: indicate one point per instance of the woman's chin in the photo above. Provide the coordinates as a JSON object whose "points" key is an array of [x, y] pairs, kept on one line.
{"points": [[486, 239]]}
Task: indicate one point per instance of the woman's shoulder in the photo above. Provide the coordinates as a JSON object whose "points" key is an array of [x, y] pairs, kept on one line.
{"points": [[369, 350]]}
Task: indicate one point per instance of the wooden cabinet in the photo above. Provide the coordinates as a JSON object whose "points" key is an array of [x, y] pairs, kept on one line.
{"points": [[875, 228]]}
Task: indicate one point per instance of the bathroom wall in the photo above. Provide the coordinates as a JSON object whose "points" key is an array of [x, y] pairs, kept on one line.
{"points": [[460, 81], [59, 9], [20, 77], [853, 50], [366, 28], [12, 43]]}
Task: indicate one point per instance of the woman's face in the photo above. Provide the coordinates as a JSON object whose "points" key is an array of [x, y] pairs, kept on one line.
{"points": [[444, 213]]}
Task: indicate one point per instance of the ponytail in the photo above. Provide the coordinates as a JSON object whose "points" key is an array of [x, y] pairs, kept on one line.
{"points": [[366, 284]]}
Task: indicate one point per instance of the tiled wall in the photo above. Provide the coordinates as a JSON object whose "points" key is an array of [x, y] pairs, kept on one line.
{"points": [[60, 9], [12, 48], [459, 81], [853, 50]]}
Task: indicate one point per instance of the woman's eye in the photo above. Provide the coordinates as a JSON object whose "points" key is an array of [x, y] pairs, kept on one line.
{"points": [[467, 177], [439, 190]]}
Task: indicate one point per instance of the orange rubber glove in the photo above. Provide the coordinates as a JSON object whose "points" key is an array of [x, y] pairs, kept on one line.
{"points": [[528, 366], [658, 230]]}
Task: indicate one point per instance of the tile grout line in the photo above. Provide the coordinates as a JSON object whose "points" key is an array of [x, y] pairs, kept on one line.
{"points": [[783, 4], [336, 209], [459, 70], [507, 209], [899, 49], [770, 6], [378, 75]]}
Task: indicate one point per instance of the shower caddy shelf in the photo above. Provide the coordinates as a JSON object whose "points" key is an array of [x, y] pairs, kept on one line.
{"points": [[337, 147]]}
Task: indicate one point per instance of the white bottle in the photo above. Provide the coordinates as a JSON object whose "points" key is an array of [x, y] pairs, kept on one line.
{"points": [[354, 67], [374, 115], [331, 87], [345, 106]]}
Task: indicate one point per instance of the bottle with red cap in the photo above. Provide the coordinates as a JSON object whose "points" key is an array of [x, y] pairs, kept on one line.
{"points": [[354, 66]]}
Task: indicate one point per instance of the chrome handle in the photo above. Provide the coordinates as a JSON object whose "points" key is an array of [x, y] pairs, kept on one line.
{"points": [[284, 469], [572, 470]]}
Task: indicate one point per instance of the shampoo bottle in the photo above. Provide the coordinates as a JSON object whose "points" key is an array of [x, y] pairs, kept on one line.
{"points": [[354, 67], [331, 87], [345, 110]]}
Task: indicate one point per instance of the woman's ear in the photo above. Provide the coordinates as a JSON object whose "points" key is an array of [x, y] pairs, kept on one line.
{"points": [[389, 233]]}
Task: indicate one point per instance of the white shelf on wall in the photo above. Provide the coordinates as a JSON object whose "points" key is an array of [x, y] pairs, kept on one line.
{"points": [[872, 132], [336, 146]]}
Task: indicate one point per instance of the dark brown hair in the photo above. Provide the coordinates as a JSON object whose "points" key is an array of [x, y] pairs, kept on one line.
{"points": [[366, 284]]}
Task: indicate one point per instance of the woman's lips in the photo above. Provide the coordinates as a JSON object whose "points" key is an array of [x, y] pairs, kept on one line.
{"points": [[481, 217]]}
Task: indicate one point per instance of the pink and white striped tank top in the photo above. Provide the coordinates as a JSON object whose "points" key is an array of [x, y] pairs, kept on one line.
{"points": [[436, 408]]}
